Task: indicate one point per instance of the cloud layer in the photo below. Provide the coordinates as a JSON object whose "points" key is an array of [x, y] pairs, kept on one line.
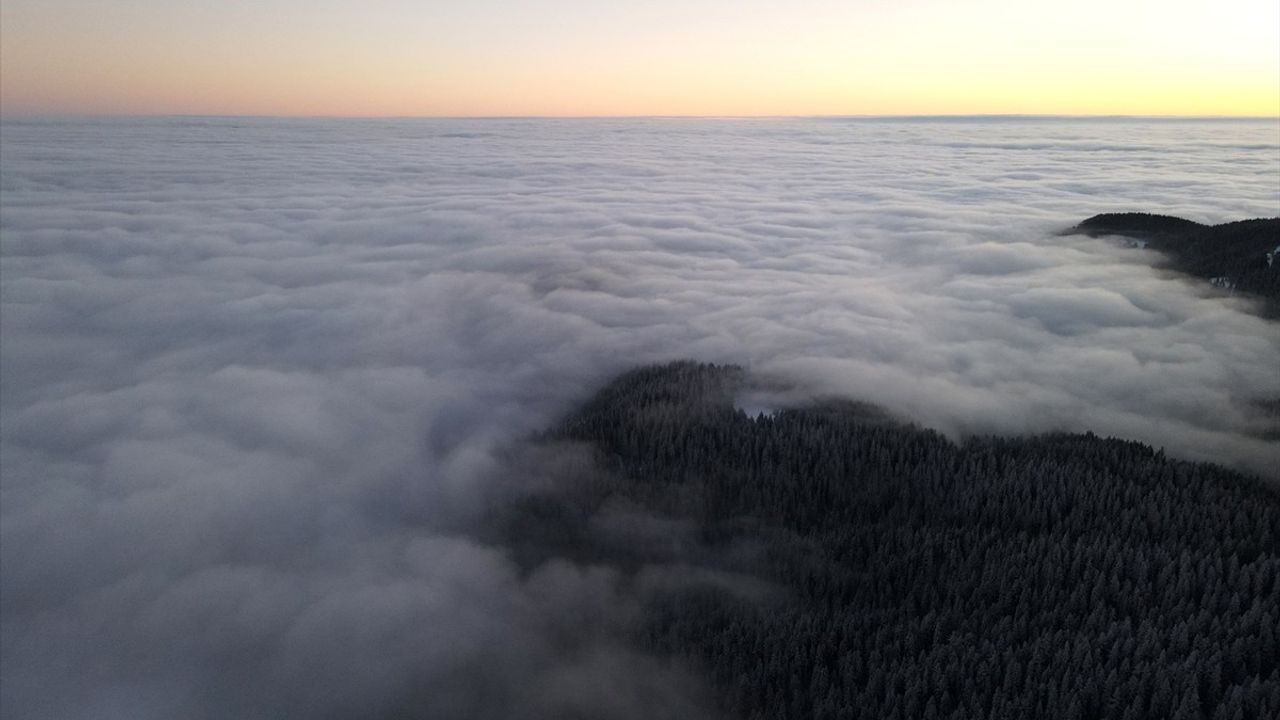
{"points": [[259, 377]]}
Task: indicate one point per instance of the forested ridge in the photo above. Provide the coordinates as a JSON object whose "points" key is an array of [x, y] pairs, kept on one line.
{"points": [[1241, 256], [1059, 576]]}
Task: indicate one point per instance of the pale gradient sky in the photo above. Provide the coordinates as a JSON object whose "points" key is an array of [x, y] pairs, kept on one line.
{"points": [[659, 57]]}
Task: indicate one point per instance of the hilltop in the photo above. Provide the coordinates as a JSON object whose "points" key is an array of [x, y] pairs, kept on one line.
{"points": [[1242, 257], [829, 562]]}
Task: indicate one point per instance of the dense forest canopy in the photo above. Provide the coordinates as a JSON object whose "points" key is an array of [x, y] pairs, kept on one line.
{"points": [[845, 565], [1241, 256]]}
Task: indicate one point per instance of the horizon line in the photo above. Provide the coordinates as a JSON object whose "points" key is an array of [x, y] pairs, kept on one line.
{"points": [[656, 116]]}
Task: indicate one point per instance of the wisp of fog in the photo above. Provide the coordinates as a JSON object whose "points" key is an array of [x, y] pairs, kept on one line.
{"points": [[261, 378]]}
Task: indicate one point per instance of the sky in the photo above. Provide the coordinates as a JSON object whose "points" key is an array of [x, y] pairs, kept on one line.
{"points": [[657, 57]]}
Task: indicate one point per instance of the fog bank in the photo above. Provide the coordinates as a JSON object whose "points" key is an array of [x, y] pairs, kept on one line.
{"points": [[261, 378]]}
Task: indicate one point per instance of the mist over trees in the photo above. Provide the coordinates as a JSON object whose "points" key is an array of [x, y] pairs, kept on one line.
{"points": [[835, 563], [266, 380], [1241, 256]]}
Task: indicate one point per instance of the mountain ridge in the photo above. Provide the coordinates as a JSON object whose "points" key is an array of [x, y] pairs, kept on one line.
{"points": [[1241, 257], [907, 575]]}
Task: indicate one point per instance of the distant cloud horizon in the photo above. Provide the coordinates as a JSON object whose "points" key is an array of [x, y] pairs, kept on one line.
{"points": [[34, 115]]}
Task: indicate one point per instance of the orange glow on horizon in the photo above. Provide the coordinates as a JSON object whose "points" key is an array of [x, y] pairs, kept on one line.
{"points": [[765, 59]]}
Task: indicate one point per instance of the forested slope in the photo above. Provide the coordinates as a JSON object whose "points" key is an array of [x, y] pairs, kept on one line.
{"points": [[1063, 576], [1242, 256]]}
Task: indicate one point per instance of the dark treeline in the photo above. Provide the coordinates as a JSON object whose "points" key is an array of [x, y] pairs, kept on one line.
{"points": [[1060, 576], [1237, 256]]}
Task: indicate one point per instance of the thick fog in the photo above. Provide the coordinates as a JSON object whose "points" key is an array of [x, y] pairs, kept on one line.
{"points": [[261, 380]]}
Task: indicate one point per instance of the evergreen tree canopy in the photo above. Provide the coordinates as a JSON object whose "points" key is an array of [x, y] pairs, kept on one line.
{"points": [[1058, 576]]}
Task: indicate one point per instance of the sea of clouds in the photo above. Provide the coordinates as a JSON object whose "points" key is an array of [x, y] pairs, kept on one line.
{"points": [[260, 378]]}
